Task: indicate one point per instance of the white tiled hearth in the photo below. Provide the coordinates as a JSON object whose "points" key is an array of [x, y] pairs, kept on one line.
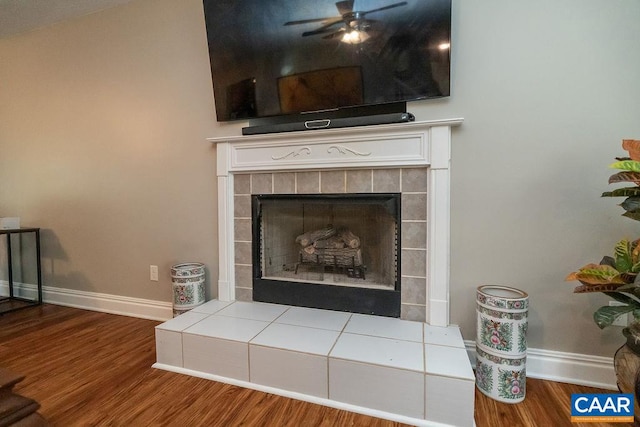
{"points": [[389, 368]]}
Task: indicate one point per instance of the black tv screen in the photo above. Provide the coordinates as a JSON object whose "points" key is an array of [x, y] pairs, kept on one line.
{"points": [[273, 58]]}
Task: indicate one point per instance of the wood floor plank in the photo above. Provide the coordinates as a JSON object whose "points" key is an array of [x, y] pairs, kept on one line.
{"points": [[94, 369]]}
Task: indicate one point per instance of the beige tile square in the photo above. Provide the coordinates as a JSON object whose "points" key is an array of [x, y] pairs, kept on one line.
{"points": [[244, 294], [242, 230], [242, 206], [242, 184], [359, 181], [243, 276], [284, 183], [417, 313], [414, 262], [414, 206], [308, 182], [243, 253], [332, 181], [261, 183], [414, 235], [415, 180], [414, 290], [386, 180]]}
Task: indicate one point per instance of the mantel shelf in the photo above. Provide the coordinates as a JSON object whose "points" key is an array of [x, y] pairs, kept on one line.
{"points": [[360, 131]]}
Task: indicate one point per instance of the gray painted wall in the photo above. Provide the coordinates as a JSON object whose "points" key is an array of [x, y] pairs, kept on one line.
{"points": [[103, 120]]}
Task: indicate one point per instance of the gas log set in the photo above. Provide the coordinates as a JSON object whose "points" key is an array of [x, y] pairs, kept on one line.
{"points": [[332, 247]]}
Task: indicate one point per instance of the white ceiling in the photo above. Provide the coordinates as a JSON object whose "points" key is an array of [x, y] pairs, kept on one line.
{"points": [[17, 16]]}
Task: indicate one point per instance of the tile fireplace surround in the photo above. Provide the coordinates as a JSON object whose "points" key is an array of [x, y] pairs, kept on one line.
{"points": [[414, 369]]}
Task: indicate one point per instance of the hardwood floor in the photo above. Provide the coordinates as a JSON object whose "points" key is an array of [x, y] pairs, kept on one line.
{"points": [[94, 369]]}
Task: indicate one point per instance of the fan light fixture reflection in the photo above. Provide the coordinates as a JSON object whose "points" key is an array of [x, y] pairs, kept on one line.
{"points": [[355, 37]]}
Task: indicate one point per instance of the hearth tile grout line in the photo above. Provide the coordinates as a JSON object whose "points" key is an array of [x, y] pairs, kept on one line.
{"points": [[424, 368], [339, 335]]}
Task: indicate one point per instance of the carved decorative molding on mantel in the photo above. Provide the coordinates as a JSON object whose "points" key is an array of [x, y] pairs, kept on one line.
{"points": [[344, 150], [294, 153]]}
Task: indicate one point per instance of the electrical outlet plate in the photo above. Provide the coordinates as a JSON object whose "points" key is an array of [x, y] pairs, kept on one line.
{"points": [[153, 273], [622, 320]]}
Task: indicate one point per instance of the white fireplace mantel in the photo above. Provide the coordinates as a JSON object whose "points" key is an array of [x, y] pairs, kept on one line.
{"points": [[423, 143]]}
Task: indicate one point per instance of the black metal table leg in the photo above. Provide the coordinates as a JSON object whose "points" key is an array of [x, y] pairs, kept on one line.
{"points": [[13, 301], [9, 265], [38, 266]]}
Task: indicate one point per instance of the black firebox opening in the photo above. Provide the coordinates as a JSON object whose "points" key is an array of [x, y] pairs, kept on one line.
{"points": [[330, 251]]}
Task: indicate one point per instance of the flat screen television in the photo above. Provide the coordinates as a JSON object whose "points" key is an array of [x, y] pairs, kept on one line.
{"points": [[288, 60]]}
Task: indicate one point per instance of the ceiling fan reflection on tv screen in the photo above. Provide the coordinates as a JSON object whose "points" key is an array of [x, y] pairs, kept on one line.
{"points": [[294, 61], [355, 28]]}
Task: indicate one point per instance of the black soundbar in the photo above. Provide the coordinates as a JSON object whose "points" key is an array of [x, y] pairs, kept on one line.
{"points": [[376, 119]]}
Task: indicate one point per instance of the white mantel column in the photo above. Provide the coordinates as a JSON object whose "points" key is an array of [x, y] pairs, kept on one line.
{"points": [[226, 267], [438, 234]]}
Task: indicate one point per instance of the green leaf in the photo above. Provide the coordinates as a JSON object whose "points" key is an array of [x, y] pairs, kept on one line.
{"points": [[635, 251], [607, 260], [606, 315], [631, 288], [624, 177], [622, 192], [632, 215], [627, 165], [625, 299], [595, 274], [631, 204], [622, 255]]}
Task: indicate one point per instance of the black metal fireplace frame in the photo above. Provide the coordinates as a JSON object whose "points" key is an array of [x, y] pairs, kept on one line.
{"points": [[381, 302]]}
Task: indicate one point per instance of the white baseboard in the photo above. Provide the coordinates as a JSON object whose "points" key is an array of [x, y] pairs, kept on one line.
{"points": [[106, 303], [572, 368]]}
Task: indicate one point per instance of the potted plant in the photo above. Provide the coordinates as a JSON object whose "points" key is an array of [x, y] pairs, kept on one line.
{"points": [[618, 275]]}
